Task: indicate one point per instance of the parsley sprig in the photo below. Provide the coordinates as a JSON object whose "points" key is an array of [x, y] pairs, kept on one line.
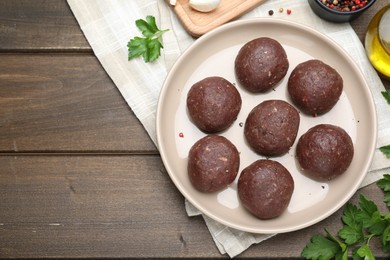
{"points": [[150, 45], [384, 184], [361, 224], [386, 95]]}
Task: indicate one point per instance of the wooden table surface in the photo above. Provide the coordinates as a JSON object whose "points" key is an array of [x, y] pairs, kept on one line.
{"points": [[79, 176]]}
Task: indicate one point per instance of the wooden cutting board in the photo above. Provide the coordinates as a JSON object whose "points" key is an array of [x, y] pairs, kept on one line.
{"points": [[198, 23]]}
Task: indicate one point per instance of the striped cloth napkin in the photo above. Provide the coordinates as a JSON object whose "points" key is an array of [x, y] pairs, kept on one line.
{"points": [[108, 26]]}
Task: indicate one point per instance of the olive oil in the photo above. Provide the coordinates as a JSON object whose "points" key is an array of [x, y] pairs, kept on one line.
{"points": [[377, 42]]}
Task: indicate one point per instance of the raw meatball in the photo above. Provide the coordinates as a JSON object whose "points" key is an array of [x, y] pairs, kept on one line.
{"points": [[265, 188], [315, 87], [261, 64], [325, 151], [271, 127], [213, 104], [213, 163]]}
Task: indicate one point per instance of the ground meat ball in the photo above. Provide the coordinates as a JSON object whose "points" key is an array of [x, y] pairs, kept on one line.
{"points": [[325, 151], [271, 127], [315, 87], [261, 64], [213, 104], [265, 188], [213, 163]]}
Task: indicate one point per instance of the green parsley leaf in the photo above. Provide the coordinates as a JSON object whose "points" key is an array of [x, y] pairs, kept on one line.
{"points": [[385, 239], [367, 205], [321, 247], [387, 199], [149, 47], [365, 252], [137, 47], [148, 28], [385, 150], [378, 225], [351, 235], [350, 216], [353, 231], [386, 95], [154, 47], [368, 211], [384, 184], [342, 245]]}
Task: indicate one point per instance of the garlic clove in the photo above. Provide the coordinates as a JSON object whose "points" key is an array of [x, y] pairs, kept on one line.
{"points": [[204, 5]]}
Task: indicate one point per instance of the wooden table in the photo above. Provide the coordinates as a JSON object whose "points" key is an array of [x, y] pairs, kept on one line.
{"points": [[79, 176]]}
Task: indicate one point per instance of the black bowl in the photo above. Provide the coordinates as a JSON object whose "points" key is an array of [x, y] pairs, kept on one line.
{"points": [[336, 16]]}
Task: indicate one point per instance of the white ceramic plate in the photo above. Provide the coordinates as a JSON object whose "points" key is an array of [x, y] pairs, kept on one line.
{"points": [[213, 55]]}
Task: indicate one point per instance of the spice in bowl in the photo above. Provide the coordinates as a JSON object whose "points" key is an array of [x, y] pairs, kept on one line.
{"points": [[339, 10], [345, 5]]}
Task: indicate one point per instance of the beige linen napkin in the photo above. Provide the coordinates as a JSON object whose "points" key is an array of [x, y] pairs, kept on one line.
{"points": [[108, 26]]}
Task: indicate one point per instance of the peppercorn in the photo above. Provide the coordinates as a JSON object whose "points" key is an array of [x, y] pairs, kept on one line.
{"points": [[270, 12], [345, 5]]}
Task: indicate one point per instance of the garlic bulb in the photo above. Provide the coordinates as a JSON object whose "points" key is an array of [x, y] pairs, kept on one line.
{"points": [[204, 5]]}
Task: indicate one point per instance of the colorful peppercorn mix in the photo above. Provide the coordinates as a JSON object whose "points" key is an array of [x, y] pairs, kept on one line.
{"points": [[345, 5]]}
